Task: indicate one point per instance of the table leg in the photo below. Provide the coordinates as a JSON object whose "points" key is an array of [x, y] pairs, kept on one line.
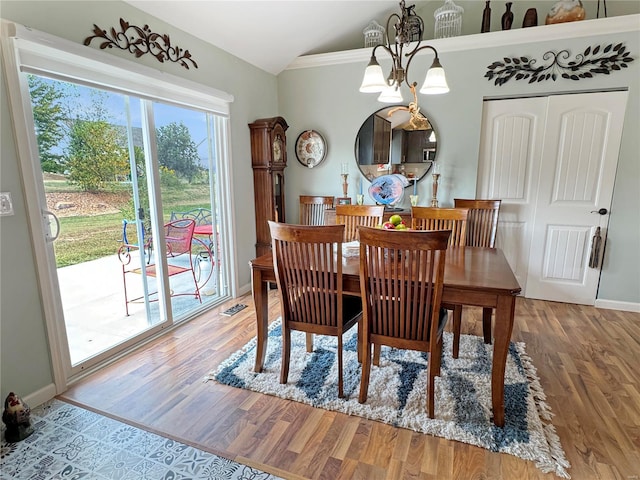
{"points": [[503, 327], [261, 301]]}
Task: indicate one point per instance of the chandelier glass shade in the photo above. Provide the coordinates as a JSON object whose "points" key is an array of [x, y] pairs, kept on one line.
{"points": [[391, 94], [408, 28]]}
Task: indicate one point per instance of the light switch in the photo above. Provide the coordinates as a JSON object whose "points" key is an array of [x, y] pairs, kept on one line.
{"points": [[6, 205]]}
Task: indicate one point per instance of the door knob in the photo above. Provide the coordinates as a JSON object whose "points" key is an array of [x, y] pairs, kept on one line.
{"points": [[602, 211]]}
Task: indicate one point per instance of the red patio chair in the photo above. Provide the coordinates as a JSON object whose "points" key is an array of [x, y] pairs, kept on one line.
{"points": [[180, 244]]}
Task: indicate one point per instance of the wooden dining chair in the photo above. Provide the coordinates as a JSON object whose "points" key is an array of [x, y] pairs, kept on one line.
{"points": [[309, 279], [454, 219], [482, 226], [401, 281], [482, 222], [432, 218], [354, 216], [312, 209]]}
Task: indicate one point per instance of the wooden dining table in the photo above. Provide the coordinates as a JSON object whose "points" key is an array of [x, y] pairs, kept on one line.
{"points": [[473, 276]]}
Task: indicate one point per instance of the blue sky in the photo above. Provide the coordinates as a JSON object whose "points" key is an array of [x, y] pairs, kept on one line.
{"points": [[84, 98]]}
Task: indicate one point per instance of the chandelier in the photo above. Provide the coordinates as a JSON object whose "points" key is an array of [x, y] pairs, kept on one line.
{"points": [[408, 28]]}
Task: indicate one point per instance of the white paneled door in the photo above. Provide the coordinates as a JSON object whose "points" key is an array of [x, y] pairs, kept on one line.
{"points": [[512, 135], [553, 161]]}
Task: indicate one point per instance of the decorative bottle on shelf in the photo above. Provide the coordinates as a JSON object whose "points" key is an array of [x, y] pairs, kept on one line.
{"points": [[530, 18], [507, 17], [486, 18]]}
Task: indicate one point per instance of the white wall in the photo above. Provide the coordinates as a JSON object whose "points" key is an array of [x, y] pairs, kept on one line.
{"points": [[326, 98]]}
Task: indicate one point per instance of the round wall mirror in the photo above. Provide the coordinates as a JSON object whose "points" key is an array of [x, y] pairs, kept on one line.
{"points": [[392, 140]]}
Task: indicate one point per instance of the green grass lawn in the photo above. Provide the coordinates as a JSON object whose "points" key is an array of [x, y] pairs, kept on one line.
{"points": [[86, 238]]}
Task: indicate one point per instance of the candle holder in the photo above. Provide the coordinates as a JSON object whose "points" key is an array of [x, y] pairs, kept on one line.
{"points": [[434, 198], [414, 200], [359, 199], [345, 184]]}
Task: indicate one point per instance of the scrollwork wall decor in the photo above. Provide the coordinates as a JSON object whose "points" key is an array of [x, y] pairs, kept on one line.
{"points": [[594, 60], [140, 41]]}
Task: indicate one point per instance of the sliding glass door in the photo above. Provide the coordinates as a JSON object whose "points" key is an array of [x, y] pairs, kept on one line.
{"points": [[121, 176]]}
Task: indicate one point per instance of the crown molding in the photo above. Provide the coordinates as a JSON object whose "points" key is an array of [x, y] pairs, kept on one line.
{"points": [[561, 31]]}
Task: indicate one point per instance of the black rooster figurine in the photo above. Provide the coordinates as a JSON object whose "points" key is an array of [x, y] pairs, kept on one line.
{"points": [[16, 417]]}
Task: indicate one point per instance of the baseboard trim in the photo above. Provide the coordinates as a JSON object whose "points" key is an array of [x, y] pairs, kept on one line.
{"points": [[617, 305], [38, 397], [246, 288]]}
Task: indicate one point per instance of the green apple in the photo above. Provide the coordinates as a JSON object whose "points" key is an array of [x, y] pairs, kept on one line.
{"points": [[401, 226], [395, 219]]}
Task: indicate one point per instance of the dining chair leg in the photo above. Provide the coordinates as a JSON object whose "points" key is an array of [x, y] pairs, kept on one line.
{"points": [[486, 324], [457, 322], [431, 372], [436, 356], [286, 354], [366, 370], [376, 354], [309, 342], [340, 373]]}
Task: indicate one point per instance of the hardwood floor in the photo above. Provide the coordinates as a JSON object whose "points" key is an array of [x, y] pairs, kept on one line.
{"points": [[587, 360]]}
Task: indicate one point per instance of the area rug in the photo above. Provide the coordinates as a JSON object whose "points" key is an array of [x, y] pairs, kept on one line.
{"points": [[71, 442], [397, 392]]}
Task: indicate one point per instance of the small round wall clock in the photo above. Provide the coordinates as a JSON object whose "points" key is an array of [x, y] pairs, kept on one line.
{"points": [[311, 148]]}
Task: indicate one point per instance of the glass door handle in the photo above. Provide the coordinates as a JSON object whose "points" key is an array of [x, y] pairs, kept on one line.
{"points": [[47, 218]]}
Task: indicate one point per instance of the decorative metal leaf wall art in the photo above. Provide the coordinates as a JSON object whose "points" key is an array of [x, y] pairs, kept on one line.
{"points": [[594, 60], [141, 41]]}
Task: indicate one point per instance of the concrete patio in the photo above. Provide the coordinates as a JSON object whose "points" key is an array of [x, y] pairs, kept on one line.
{"points": [[94, 307]]}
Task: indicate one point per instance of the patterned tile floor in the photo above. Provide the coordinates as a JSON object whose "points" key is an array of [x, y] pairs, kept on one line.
{"points": [[74, 443]]}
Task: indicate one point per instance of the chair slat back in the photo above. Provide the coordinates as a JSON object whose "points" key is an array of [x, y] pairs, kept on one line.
{"points": [[179, 235], [482, 223], [401, 278], [431, 218], [312, 209], [354, 216], [309, 272]]}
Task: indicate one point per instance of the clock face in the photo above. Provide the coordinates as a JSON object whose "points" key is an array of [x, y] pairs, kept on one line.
{"points": [[277, 149], [311, 148]]}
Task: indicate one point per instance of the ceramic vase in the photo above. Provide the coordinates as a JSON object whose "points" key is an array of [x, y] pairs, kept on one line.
{"points": [[530, 18], [507, 17], [486, 18]]}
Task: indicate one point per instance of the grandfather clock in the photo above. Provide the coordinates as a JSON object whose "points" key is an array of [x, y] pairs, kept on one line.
{"points": [[268, 160]]}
